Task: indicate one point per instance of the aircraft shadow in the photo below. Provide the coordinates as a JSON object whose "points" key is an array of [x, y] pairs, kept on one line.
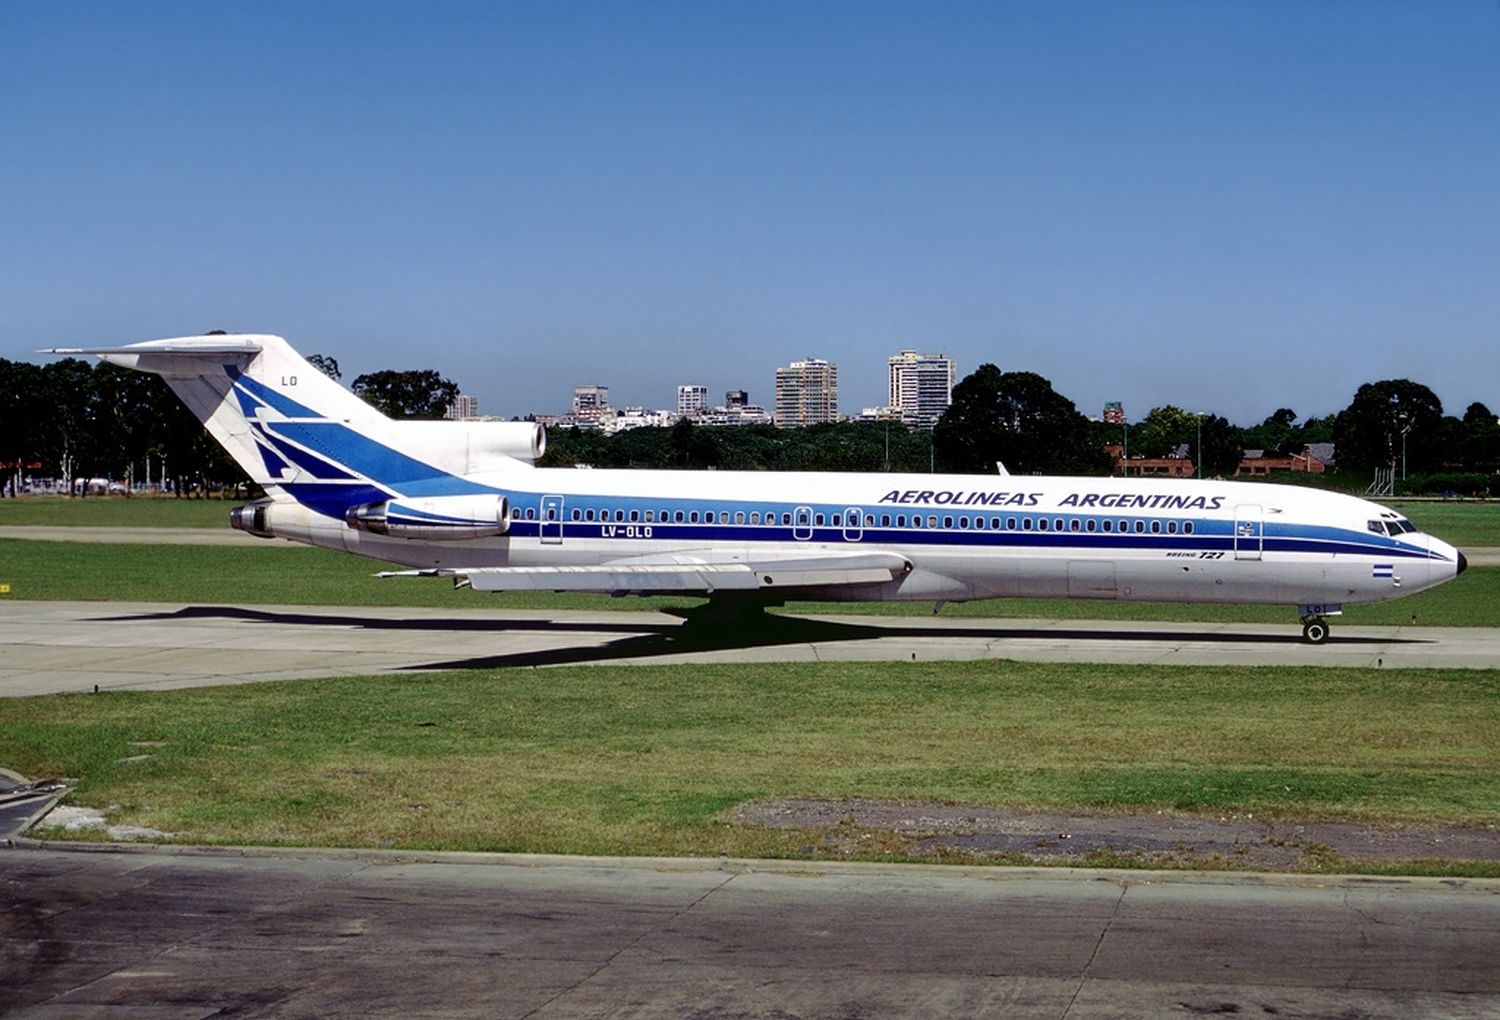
{"points": [[707, 633]]}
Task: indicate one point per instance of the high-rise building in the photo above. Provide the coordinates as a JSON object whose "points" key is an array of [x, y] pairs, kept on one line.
{"points": [[1114, 413], [464, 405], [590, 403], [807, 393], [920, 386], [692, 400], [736, 398]]}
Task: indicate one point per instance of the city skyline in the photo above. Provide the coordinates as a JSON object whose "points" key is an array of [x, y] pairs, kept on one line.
{"points": [[1227, 207]]}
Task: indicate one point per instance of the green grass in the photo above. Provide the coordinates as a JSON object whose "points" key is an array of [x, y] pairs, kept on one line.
{"points": [[643, 760], [116, 512], [280, 573], [1458, 523]]}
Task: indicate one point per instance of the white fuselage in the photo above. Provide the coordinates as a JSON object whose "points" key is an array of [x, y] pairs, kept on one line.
{"points": [[965, 536]]}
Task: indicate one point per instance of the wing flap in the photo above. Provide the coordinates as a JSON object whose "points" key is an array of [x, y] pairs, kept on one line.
{"points": [[704, 577]]}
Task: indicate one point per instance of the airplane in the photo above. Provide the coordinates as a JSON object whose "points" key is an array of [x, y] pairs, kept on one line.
{"points": [[465, 501]]}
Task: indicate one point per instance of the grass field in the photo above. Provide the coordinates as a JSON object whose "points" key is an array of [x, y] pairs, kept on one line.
{"points": [[642, 760], [279, 573], [116, 512], [1462, 523]]}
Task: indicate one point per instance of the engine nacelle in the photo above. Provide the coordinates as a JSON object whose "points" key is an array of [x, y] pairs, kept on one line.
{"points": [[472, 447], [434, 519], [253, 518]]}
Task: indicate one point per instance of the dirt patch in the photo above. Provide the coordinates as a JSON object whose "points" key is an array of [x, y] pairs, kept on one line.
{"points": [[953, 830]]}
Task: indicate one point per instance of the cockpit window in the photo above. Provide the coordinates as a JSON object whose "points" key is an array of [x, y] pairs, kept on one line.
{"points": [[1401, 524], [1376, 526]]}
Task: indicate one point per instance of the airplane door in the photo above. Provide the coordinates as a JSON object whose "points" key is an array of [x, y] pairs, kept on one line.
{"points": [[854, 524], [552, 520], [802, 523], [1249, 531]]}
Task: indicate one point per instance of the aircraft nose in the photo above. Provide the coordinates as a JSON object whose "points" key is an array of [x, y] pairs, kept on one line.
{"points": [[1463, 564]]}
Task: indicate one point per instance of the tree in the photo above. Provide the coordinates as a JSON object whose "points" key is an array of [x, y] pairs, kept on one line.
{"points": [[1018, 419], [1480, 442], [415, 394], [326, 364], [1163, 430], [1277, 434], [1370, 431], [23, 412]]}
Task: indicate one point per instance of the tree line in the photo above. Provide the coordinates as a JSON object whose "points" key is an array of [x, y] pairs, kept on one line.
{"points": [[73, 419]]}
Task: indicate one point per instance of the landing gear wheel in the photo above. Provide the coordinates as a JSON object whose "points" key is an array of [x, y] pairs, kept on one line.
{"points": [[1315, 630]]}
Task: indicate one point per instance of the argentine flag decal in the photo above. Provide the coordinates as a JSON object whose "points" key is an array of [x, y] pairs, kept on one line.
{"points": [[1383, 570]]}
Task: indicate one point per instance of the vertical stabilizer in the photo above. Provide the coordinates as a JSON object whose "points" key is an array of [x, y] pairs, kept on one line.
{"points": [[269, 407]]}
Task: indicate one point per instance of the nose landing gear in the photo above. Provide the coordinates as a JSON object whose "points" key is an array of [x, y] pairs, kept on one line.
{"points": [[1314, 630], [1314, 626]]}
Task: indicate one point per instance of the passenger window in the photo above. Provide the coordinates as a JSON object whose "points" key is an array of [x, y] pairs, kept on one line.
{"points": [[1091, 525], [1156, 527], [1058, 524], [588, 514], [1171, 527], [739, 517], [1041, 524], [576, 514], [515, 513], [837, 520], [693, 517], [786, 519], [1010, 524], [916, 521], [900, 520], [1140, 527], [963, 522], [1025, 523], [947, 522], [818, 519], [1124, 527], [1109, 526], [677, 517], [754, 516], [620, 516], [531, 513], [1187, 527], [885, 520], [932, 520], [635, 516], [1073, 525]]}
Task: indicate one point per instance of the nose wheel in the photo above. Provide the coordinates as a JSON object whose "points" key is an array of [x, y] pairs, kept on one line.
{"points": [[1314, 630]]}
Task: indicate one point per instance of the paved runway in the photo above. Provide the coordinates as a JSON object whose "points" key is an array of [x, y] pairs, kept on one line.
{"points": [[51, 647], [159, 934]]}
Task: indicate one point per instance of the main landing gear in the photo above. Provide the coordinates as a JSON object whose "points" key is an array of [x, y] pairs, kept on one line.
{"points": [[1314, 626]]}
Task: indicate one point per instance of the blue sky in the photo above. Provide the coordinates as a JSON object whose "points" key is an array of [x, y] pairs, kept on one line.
{"points": [[1228, 206]]}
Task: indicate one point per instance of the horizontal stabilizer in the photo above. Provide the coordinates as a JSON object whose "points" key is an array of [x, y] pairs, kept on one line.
{"points": [[215, 346], [681, 578]]}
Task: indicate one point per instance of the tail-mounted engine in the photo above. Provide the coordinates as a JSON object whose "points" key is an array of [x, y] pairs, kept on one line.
{"points": [[435, 519]]}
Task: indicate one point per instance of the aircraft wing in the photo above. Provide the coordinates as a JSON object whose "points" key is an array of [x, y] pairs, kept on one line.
{"points": [[683, 574]]}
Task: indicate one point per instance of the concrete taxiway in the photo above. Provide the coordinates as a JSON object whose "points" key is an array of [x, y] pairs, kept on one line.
{"points": [[157, 933], [54, 647]]}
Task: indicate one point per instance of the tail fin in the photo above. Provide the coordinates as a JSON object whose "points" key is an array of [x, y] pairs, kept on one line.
{"points": [[261, 400], [296, 431]]}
